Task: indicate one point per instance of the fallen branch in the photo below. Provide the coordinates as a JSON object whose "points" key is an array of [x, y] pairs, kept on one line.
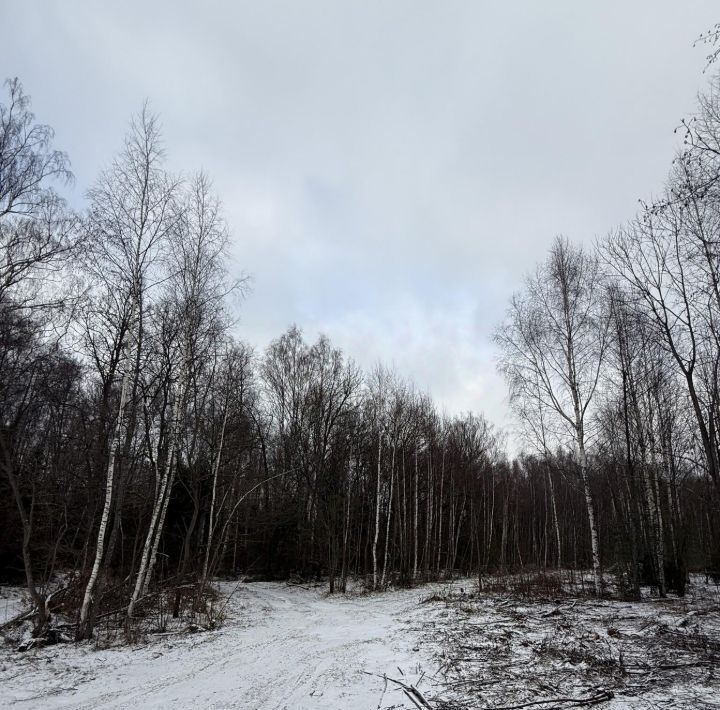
{"points": [[570, 702], [558, 610], [671, 666], [22, 616], [417, 698]]}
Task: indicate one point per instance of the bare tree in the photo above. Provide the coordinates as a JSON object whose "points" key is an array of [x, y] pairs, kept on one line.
{"points": [[553, 345], [36, 235], [132, 214], [196, 288]]}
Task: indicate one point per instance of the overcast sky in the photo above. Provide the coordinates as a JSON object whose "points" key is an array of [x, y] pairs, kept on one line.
{"points": [[389, 170]]}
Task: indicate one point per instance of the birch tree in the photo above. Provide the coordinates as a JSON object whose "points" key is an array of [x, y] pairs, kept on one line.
{"points": [[195, 291], [131, 216], [553, 344]]}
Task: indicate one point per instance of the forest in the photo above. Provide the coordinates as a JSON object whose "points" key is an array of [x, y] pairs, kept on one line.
{"points": [[145, 448]]}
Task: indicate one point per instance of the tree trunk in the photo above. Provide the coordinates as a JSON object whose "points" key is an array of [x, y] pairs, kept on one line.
{"points": [[589, 504], [84, 627], [377, 517], [389, 516]]}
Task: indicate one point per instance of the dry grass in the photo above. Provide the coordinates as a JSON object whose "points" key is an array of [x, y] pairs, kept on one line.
{"points": [[534, 639]]}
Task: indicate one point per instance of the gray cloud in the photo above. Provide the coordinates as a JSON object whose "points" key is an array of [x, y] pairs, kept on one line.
{"points": [[390, 170]]}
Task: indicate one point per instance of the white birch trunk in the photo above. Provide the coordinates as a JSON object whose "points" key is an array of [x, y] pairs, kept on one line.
{"points": [[83, 630], [387, 522], [594, 540], [377, 517], [556, 521], [158, 532], [157, 518], [211, 525], [440, 511], [653, 498], [415, 521]]}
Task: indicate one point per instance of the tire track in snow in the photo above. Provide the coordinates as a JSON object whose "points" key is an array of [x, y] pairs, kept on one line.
{"points": [[281, 647]]}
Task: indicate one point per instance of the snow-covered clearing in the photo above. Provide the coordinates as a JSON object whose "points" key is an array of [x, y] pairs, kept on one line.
{"points": [[507, 648], [281, 646], [513, 645]]}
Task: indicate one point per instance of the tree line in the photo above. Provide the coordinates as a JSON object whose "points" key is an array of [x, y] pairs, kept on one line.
{"points": [[612, 354], [146, 449]]}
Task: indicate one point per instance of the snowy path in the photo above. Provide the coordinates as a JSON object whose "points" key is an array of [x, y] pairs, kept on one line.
{"points": [[281, 647]]}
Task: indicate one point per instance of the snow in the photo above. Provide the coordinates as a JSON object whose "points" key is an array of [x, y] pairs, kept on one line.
{"points": [[290, 647], [281, 646], [508, 649], [13, 601]]}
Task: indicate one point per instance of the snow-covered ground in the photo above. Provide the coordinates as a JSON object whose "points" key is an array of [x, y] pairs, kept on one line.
{"points": [[281, 646], [12, 602], [506, 649], [296, 648]]}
